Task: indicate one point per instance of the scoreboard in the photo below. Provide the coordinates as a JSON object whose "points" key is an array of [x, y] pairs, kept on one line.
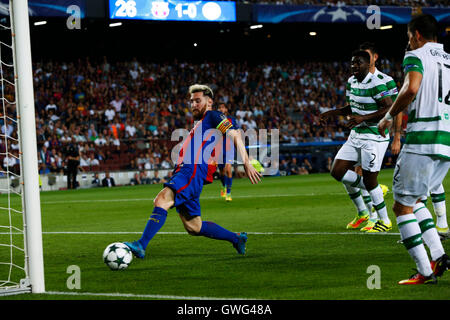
{"points": [[173, 10]]}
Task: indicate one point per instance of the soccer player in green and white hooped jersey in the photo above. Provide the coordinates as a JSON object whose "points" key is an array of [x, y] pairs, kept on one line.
{"points": [[368, 100], [425, 158], [438, 194], [363, 195]]}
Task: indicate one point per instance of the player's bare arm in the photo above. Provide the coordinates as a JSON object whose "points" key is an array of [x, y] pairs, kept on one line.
{"points": [[406, 95], [396, 144], [253, 175], [347, 110]]}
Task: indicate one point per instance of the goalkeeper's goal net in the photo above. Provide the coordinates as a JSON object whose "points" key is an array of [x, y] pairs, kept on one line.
{"points": [[21, 254]]}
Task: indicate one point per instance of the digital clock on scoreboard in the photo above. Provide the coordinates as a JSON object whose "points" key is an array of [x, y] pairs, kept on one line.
{"points": [[172, 10]]}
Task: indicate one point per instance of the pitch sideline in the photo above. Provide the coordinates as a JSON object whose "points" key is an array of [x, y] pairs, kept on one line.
{"points": [[143, 296]]}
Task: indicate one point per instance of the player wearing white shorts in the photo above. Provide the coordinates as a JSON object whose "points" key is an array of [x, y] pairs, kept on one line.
{"points": [[425, 158], [395, 149], [368, 100]]}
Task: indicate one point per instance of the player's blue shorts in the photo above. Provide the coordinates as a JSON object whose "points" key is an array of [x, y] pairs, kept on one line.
{"points": [[224, 162], [227, 158], [187, 188]]}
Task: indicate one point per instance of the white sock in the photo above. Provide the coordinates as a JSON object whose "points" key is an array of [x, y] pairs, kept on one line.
{"points": [[355, 195], [353, 179], [412, 240], [379, 205], [368, 201], [429, 232], [441, 214]]}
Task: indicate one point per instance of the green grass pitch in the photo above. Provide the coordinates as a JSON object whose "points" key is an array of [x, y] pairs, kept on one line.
{"points": [[298, 247]]}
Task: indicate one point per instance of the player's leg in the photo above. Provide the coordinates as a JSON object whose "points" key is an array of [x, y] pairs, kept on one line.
{"points": [[412, 240], [372, 154], [373, 216], [162, 203], [431, 238], [189, 213], [343, 166], [228, 180], [362, 212], [413, 219], [223, 190], [383, 224], [439, 206]]}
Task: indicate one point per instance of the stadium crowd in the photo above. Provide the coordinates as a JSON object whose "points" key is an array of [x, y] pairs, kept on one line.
{"points": [[121, 114]]}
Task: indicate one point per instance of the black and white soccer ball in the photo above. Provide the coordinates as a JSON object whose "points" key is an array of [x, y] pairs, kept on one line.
{"points": [[117, 256]]}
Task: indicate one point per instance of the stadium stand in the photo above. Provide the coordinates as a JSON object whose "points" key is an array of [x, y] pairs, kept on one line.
{"points": [[122, 114]]}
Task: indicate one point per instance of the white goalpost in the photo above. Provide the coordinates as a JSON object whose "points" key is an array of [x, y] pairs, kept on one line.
{"points": [[20, 240]]}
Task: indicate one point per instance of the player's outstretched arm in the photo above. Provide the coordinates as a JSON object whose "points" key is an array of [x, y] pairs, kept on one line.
{"points": [[253, 175], [347, 110]]}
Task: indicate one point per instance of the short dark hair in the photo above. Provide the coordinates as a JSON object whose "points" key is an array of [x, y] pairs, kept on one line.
{"points": [[426, 25], [362, 54], [369, 46]]}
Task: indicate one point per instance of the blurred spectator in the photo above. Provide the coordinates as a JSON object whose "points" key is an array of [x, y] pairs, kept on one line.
{"points": [[140, 178], [93, 161], [108, 181], [305, 167], [9, 162], [293, 168], [96, 181], [132, 165]]}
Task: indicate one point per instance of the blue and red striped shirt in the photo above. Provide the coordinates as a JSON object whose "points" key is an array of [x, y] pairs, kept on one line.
{"points": [[197, 154]]}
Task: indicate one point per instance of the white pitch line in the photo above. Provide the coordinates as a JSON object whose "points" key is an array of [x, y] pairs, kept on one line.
{"points": [[251, 233], [143, 296], [206, 198]]}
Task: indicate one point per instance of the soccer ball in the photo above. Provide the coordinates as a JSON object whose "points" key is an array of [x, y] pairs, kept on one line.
{"points": [[117, 256]]}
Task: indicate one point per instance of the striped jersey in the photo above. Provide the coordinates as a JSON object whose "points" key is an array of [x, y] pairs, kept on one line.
{"points": [[362, 98], [389, 82], [196, 156], [428, 128]]}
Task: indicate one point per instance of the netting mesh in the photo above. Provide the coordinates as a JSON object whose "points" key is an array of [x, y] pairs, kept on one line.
{"points": [[12, 238]]}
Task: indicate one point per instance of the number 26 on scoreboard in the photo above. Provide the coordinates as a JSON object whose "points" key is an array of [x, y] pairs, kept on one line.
{"points": [[126, 8]]}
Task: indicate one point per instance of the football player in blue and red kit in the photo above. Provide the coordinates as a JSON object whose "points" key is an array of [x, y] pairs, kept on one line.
{"points": [[195, 167]]}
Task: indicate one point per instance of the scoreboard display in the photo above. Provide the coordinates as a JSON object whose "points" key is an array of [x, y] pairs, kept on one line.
{"points": [[173, 10]]}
